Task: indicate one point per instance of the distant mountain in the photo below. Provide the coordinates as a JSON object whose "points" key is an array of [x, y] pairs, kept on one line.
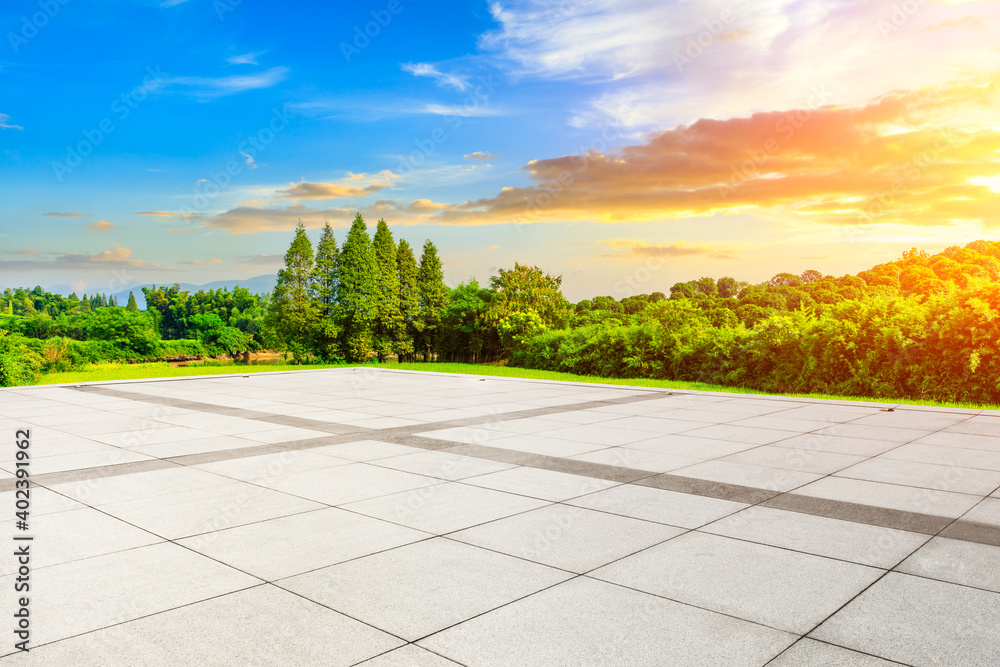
{"points": [[257, 285]]}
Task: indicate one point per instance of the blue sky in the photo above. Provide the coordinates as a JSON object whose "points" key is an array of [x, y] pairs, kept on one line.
{"points": [[575, 135]]}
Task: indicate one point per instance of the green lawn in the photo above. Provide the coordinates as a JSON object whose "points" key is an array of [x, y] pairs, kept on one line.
{"points": [[105, 372]]}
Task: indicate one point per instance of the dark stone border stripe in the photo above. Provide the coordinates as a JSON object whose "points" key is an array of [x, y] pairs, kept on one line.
{"points": [[971, 531], [915, 522], [708, 488]]}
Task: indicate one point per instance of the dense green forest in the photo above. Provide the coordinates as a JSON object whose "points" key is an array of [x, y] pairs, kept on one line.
{"points": [[924, 326]]}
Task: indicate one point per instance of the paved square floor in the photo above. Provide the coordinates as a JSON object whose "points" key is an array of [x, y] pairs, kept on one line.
{"points": [[389, 518]]}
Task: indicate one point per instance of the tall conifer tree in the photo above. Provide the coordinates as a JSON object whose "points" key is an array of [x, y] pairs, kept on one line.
{"points": [[409, 299], [389, 320], [359, 291], [433, 297]]}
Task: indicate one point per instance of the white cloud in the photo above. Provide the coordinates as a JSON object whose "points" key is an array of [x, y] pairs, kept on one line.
{"points": [[426, 69], [656, 64], [5, 125], [245, 59], [209, 87]]}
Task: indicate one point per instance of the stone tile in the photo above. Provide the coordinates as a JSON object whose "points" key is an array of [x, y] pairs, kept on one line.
{"points": [[92, 459], [43, 501], [958, 562], [544, 484], [84, 595], [893, 496], [818, 654], [988, 425], [347, 483], [299, 543], [989, 442], [912, 418], [742, 434], [822, 536], [777, 421], [442, 465], [106, 490], [660, 425], [948, 456], [535, 444], [859, 429], [986, 512], [925, 475], [264, 625], [62, 537], [787, 458], [410, 655], [759, 477], [253, 468], [920, 622], [837, 444], [587, 622], [568, 537], [700, 449], [365, 450], [637, 459], [600, 434], [425, 587], [213, 508], [782, 589], [445, 507], [641, 502]]}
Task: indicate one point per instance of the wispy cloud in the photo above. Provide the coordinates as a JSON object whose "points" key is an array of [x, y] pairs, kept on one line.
{"points": [[426, 69], [461, 110], [245, 58], [8, 126], [212, 87], [482, 156], [101, 226], [172, 3], [674, 250], [67, 214], [117, 256]]}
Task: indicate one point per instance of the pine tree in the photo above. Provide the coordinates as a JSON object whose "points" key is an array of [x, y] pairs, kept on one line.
{"points": [[433, 297], [409, 299], [389, 320], [85, 304], [292, 312], [325, 283], [325, 275], [359, 294], [132, 305]]}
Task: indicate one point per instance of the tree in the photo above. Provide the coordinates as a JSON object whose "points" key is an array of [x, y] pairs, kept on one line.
{"points": [[292, 312], [389, 319], [811, 276], [359, 293], [132, 305], [729, 288], [409, 299], [325, 286], [326, 270], [785, 280], [433, 297], [527, 301]]}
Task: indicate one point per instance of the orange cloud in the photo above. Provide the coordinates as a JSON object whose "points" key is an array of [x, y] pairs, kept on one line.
{"points": [[353, 186]]}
